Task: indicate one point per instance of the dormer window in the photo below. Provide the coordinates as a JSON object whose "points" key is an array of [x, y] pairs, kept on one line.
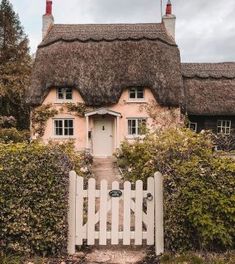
{"points": [[136, 93], [64, 94]]}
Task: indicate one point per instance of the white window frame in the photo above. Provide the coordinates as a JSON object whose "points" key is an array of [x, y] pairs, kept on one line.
{"points": [[136, 119], [63, 128], [192, 124], [224, 126], [64, 92], [136, 99]]}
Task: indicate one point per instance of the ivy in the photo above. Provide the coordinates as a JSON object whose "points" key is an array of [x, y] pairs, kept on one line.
{"points": [[39, 118], [79, 108]]}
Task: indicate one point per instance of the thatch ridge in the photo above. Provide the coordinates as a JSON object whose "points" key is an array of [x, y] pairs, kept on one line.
{"points": [[107, 32]]}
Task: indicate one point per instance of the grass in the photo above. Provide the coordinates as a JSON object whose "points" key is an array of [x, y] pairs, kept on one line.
{"points": [[167, 258], [191, 258]]}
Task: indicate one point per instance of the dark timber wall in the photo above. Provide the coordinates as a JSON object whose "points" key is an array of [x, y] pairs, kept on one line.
{"points": [[210, 122]]}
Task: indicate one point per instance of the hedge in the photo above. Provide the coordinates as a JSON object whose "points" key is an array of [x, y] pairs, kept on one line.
{"points": [[199, 195], [34, 198]]}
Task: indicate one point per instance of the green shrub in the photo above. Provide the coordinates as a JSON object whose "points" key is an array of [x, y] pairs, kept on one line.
{"points": [[224, 142], [198, 187], [33, 199], [12, 135]]}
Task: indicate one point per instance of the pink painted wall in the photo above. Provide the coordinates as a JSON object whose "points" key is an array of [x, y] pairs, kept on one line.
{"points": [[127, 108]]}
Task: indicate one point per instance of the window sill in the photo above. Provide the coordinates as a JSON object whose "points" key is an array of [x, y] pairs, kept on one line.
{"points": [[63, 137], [133, 137], [137, 101], [63, 101]]}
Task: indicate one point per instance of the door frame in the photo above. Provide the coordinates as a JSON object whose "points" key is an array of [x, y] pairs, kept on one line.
{"points": [[116, 126]]}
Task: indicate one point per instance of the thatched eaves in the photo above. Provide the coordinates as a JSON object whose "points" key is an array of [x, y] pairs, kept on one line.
{"points": [[102, 60], [209, 88], [209, 70]]}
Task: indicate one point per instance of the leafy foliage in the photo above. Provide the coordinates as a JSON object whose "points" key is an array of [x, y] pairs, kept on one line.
{"points": [[12, 135], [198, 186], [40, 116], [33, 197], [79, 108], [224, 142], [15, 66]]}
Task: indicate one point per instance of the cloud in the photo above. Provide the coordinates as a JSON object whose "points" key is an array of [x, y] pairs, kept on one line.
{"points": [[205, 29]]}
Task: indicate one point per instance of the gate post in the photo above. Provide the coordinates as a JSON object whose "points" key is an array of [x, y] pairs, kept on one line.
{"points": [[72, 213], [159, 229]]}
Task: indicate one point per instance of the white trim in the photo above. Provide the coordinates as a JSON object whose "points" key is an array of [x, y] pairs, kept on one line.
{"points": [[103, 111], [62, 136], [224, 127], [192, 123], [136, 101], [136, 98], [63, 100], [133, 136]]}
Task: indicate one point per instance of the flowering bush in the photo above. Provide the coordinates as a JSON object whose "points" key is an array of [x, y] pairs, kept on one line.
{"points": [[198, 186]]}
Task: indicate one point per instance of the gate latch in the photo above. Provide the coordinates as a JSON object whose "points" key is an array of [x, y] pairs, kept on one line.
{"points": [[149, 197], [115, 193]]}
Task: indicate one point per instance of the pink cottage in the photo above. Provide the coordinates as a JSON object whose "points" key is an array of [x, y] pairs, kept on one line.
{"points": [[93, 83]]}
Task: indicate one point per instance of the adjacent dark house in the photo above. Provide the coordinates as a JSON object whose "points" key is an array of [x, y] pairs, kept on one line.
{"points": [[209, 96]]}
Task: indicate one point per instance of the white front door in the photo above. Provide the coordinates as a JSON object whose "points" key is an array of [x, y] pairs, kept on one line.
{"points": [[103, 137]]}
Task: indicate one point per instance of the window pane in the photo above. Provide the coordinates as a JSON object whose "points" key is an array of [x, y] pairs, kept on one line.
{"points": [[66, 131], [60, 94], [70, 131], [129, 127], [141, 126], [132, 127], [68, 92], [68, 127], [70, 123], [132, 93], [58, 127], [66, 123], [140, 93]]}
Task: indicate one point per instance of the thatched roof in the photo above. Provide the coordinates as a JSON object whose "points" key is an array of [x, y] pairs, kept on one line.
{"points": [[209, 88], [101, 60], [209, 70]]}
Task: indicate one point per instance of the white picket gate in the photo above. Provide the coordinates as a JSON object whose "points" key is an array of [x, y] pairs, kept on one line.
{"points": [[116, 215]]}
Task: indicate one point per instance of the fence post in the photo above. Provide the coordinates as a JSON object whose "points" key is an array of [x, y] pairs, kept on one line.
{"points": [[159, 228], [72, 213]]}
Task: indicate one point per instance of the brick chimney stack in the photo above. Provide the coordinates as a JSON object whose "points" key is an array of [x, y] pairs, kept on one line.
{"points": [[169, 20], [47, 19]]}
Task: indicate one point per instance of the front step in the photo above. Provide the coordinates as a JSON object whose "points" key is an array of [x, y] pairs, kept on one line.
{"points": [[116, 255]]}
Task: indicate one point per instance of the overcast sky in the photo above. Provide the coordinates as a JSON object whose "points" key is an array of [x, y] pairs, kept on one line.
{"points": [[205, 30]]}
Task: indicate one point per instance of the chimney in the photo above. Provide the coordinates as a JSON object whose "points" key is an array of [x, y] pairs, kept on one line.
{"points": [[47, 19], [169, 20]]}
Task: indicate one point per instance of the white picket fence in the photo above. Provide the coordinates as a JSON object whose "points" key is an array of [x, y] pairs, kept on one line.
{"points": [[116, 215]]}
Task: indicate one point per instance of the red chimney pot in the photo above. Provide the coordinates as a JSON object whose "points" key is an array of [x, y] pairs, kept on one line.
{"points": [[169, 8], [49, 7]]}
